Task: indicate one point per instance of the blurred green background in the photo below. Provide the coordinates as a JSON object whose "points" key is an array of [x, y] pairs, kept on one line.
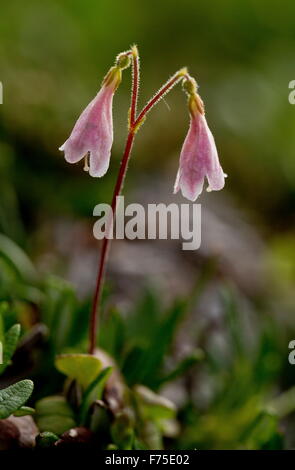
{"points": [[54, 55]]}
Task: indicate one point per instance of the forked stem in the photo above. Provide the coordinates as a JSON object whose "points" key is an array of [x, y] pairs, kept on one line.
{"points": [[134, 124]]}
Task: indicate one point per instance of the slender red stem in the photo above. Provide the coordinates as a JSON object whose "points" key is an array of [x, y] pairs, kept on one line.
{"points": [[106, 246], [134, 122], [154, 100]]}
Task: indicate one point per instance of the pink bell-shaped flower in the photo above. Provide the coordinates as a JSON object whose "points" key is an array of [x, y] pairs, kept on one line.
{"points": [[92, 135], [198, 158]]}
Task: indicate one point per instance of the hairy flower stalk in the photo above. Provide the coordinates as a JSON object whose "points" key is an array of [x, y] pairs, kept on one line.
{"points": [[135, 85], [176, 78], [198, 158], [92, 136]]}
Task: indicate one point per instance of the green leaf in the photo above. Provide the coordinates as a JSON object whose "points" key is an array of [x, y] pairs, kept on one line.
{"points": [[81, 367], [24, 411], [54, 414], [60, 306], [10, 342], [133, 364], [142, 323], [46, 439], [153, 406], [111, 334], [94, 392], [284, 404], [144, 367], [14, 396], [5, 314], [263, 432], [138, 445], [186, 364], [3, 308], [17, 259], [55, 423], [122, 431]]}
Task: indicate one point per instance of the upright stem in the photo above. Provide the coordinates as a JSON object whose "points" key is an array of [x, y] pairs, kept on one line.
{"points": [[106, 246], [134, 123]]}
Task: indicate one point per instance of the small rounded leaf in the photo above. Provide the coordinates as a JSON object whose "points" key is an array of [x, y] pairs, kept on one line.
{"points": [[54, 414], [81, 367]]}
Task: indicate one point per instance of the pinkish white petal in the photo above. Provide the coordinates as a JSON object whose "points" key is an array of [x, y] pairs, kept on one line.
{"points": [[214, 172], [99, 163], [191, 173], [93, 133], [198, 159]]}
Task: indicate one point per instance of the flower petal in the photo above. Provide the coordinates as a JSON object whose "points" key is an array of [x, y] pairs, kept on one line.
{"points": [[190, 188], [98, 163], [192, 166], [73, 152], [93, 133], [214, 171]]}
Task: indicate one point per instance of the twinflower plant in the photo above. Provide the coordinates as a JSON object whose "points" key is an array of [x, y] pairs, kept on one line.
{"points": [[92, 137]]}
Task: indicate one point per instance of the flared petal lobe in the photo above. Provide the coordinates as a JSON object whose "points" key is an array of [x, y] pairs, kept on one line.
{"points": [[198, 159], [214, 171]]}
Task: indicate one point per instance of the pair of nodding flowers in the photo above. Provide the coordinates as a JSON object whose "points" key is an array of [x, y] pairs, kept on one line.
{"points": [[92, 138]]}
